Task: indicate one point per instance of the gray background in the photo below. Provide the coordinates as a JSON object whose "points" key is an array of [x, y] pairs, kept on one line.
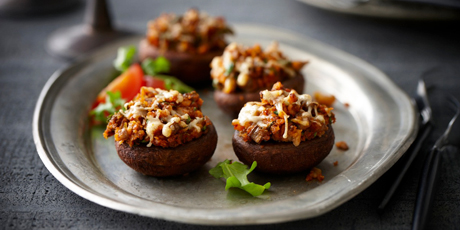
{"points": [[31, 198]]}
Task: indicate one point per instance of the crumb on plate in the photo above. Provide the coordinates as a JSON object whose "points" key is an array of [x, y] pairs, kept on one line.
{"points": [[342, 145], [315, 173], [326, 99]]}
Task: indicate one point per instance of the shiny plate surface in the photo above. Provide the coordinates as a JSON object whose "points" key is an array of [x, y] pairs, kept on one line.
{"points": [[404, 10], [378, 125]]}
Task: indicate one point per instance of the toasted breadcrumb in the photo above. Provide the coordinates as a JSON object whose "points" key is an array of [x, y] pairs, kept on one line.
{"points": [[159, 117], [315, 173], [336, 163], [342, 145], [325, 99], [192, 32], [346, 105]]}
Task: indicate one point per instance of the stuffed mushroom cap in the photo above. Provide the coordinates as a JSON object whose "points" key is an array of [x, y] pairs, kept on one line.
{"points": [[242, 72], [285, 132], [188, 41], [157, 124]]}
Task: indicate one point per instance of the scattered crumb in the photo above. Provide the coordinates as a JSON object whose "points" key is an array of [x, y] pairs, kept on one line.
{"points": [[336, 163], [315, 173], [262, 146], [241, 98], [325, 99], [346, 105], [342, 145]]}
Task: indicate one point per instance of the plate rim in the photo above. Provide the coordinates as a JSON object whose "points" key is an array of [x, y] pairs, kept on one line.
{"points": [[89, 194]]}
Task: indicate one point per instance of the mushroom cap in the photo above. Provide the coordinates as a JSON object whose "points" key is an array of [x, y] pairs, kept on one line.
{"points": [[162, 162], [283, 157]]}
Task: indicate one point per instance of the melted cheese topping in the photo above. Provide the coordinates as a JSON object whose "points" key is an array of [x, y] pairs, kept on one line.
{"points": [[165, 94], [135, 111], [251, 112], [193, 124], [244, 64], [188, 32], [167, 123]]}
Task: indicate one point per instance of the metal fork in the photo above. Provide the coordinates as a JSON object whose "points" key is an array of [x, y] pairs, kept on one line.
{"points": [[431, 173], [421, 99]]}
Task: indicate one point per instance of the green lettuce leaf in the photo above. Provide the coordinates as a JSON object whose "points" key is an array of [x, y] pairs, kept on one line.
{"points": [[113, 103], [174, 83], [236, 175], [124, 58], [161, 65], [154, 67]]}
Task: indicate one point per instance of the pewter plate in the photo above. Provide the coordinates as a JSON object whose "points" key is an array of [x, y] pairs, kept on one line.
{"points": [[378, 125], [408, 10]]}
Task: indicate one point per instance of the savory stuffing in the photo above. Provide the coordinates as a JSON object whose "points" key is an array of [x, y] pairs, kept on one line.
{"points": [[193, 32], [326, 99], [159, 117], [342, 145], [251, 69], [283, 115], [315, 173]]}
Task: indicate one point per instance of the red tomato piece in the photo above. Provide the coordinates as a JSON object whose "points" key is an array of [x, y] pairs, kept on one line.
{"points": [[154, 82], [129, 84]]}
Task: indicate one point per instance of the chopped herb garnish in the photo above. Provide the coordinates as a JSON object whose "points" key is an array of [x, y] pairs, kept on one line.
{"points": [[188, 120], [215, 83], [314, 135], [276, 112], [284, 62], [113, 102], [229, 69], [236, 175], [154, 67], [204, 128], [174, 83], [145, 141], [270, 125], [124, 58]]}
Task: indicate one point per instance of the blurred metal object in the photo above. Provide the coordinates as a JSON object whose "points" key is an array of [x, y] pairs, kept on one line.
{"points": [[446, 3], [396, 9], [430, 174], [26, 8], [78, 40], [346, 4], [425, 126]]}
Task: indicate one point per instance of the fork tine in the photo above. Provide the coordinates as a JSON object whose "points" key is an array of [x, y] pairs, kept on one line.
{"points": [[431, 171], [422, 101], [425, 126], [454, 103]]}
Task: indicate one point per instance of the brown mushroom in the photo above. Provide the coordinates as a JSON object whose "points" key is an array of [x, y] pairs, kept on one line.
{"points": [[232, 103], [162, 162], [191, 68], [283, 157]]}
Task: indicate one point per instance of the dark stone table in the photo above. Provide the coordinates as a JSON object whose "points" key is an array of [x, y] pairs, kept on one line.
{"points": [[31, 198]]}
